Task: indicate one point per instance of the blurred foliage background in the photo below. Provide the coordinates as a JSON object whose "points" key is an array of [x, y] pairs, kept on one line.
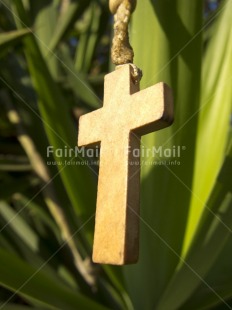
{"points": [[53, 58]]}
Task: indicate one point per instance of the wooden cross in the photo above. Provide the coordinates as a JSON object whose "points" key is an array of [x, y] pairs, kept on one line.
{"points": [[127, 114]]}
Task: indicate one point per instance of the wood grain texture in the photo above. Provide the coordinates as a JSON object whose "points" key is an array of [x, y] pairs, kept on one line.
{"points": [[126, 115]]}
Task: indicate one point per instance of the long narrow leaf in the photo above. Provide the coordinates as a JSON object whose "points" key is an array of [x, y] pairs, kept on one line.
{"points": [[27, 281], [8, 39], [168, 47], [214, 119], [60, 130], [214, 229], [75, 9]]}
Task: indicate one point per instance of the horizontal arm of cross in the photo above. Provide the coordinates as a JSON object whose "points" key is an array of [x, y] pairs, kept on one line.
{"points": [[89, 125], [151, 109]]}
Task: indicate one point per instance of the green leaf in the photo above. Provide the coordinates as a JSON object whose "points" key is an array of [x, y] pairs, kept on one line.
{"points": [[24, 239], [9, 39], [219, 277], [57, 120], [17, 307], [166, 49], [29, 282], [66, 20], [39, 214], [88, 39], [211, 237], [78, 82], [214, 121], [20, 228], [45, 15]]}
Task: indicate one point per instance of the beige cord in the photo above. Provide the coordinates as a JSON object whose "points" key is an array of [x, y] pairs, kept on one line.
{"points": [[122, 53]]}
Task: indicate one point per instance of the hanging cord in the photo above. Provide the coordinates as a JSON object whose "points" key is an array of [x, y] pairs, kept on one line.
{"points": [[122, 53]]}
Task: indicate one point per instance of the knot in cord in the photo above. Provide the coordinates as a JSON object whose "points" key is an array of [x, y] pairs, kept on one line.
{"points": [[121, 52]]}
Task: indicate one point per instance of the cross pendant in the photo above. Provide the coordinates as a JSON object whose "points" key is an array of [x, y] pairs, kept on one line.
{"points": [[126, 115]]}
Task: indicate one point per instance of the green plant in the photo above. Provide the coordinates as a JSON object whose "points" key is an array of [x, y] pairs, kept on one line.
{"points": [[53, 57]]}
